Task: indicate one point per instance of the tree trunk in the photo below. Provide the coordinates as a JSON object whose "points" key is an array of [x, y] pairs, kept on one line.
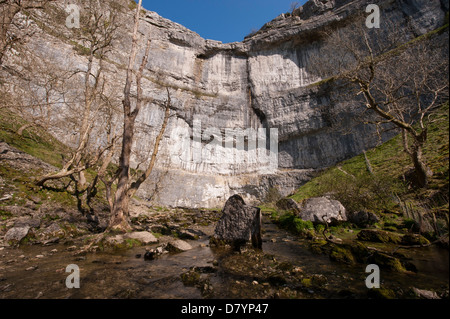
{"points": [[119, 213], [120, 208], [423, 172]]}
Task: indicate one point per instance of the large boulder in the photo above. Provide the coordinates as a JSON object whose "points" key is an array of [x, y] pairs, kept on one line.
{"points": [[321, 210], [16, 234], [238, 225]]}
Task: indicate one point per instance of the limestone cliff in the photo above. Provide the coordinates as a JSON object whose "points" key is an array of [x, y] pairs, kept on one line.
{"points": [[262, 82]]}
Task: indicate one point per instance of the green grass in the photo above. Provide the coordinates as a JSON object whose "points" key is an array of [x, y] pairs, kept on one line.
{"points": [[359, 190], [34, 141]]}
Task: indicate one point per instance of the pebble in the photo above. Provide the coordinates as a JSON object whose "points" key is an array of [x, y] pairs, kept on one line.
{"points": [[31, 268], [255, 283], [273, 240], [54, 251], [40, 256]]}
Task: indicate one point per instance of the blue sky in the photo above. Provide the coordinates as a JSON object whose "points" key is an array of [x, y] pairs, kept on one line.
{"points": [[222, 20]]}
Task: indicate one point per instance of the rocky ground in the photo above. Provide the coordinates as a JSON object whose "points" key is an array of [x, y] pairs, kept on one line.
{"points": [[168, 254], [289, 266]]}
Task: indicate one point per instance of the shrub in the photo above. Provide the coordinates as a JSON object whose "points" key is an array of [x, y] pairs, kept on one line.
{"points": [[295, 224]]}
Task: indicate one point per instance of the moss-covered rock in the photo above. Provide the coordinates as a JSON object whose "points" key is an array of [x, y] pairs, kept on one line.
{"points": [[285, 266], [414, 239], [342, 253], [386, 262], [191, 278], [318, 246], [359, 251], [378, 236]]}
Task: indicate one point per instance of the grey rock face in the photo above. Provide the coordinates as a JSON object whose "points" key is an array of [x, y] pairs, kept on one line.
{"points": [[15, 235], [263, 82], [239, 224], [322, 210]]}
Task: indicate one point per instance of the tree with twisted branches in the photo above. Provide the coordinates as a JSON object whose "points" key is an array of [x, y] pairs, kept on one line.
{"points": [[389, 79]]}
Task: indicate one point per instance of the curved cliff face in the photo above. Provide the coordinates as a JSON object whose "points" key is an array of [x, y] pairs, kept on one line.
{"points": [[261, 83]]}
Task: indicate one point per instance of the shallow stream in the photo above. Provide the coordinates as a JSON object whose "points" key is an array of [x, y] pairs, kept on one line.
{"points": [[39, 272]]}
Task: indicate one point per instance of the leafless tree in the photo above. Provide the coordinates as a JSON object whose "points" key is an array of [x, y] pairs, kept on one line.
{"points": [[97, 33], [390, 79], [126, 188]]}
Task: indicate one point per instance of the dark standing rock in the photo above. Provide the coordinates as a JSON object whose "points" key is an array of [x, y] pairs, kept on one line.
{"points": [[239, 224], [322, 210]]}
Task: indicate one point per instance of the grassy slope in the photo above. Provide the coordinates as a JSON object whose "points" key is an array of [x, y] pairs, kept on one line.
{"points": [[42, 145], [35, 141], [390, 163]]}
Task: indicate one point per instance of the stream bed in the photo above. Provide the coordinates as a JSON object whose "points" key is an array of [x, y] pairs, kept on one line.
{"points": [[40, 272]]}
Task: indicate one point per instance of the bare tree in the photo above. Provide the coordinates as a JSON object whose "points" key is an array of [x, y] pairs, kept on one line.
{"points": [[99, 29], [125, 187], [391, 80]]}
